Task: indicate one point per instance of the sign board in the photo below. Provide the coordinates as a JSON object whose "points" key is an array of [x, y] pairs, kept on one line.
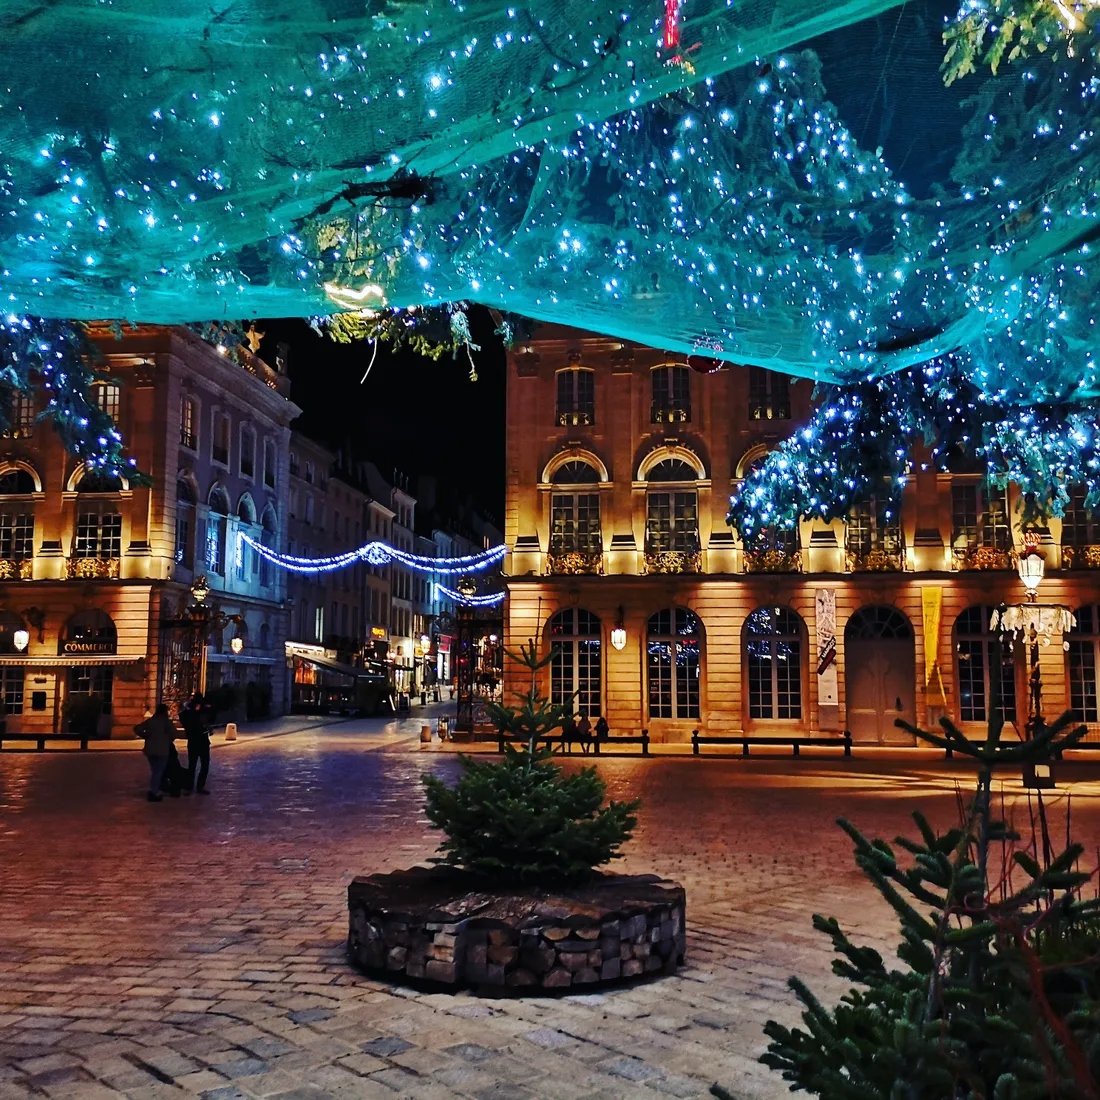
{"points": [[827, 690], [87, 649]]}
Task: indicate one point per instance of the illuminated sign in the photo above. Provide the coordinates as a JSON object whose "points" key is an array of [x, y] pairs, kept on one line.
{"points": [[86, 648], [377, 631]]}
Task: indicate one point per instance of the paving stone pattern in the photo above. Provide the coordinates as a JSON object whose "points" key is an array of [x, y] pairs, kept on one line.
{"points": [[195, 947]]}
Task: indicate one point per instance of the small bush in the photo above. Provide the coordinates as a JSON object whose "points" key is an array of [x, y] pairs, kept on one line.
{"points": [[524, 820]]}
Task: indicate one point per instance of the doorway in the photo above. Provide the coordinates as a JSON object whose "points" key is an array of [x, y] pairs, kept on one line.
{"points": [[880, 674]]}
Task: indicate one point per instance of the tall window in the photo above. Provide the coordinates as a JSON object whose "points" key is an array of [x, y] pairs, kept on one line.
{"points": [[20, 416], [185, 529], [873, 525], [671, 395], [248, 452], [769, 395], [575, 514], [189, 424], [575, 665], [106, 396], [773, 656], [1079, 524], [98, 535], [219, 447], [294, 467], [576, 397], [216, 526], [1084, 641], [672, 663], [309, 472], [16, 536], [269, 463], [986, 666], [979, 517], [672, 514], [93, 680]]}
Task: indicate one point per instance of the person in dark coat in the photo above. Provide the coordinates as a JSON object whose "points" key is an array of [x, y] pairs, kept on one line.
{"points": [[159, 732], [602, 728], [198, 744], [584, 733]]}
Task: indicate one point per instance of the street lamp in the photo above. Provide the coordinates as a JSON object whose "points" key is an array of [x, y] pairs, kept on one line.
{"points": [[618, 632], [236, 644], [21, 639], [1031, 565]]}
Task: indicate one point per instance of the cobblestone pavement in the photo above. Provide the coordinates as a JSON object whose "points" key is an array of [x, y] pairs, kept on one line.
{"points": [[195, 947]]}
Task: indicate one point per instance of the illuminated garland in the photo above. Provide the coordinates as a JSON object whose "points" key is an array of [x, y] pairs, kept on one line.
{"points": [[489, 600], [378, 553]]}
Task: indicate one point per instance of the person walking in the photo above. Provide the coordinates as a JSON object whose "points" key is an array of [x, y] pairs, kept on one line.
{"points": [[198, 744], [159, 732]]}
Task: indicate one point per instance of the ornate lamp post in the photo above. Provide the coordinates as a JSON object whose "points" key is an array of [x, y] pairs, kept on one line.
{"points": [[618, 632], [1037, 624]]}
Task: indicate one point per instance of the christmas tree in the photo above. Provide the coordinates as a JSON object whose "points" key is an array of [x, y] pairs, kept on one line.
{"points": [[524, 820], [996, 992]]}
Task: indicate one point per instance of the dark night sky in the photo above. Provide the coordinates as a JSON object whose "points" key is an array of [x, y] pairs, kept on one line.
{"points": [[413, 414]]}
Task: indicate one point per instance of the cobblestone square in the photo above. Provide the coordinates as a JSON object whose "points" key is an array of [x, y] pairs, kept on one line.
{"points": [[195, 947]]}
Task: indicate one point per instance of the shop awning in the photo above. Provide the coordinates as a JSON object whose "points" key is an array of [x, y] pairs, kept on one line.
{"points": [[329, 665], [70, 662]]}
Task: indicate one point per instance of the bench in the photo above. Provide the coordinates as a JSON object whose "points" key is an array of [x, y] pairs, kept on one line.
{"points": [[567, 746], [42, 738], [794, 741]]}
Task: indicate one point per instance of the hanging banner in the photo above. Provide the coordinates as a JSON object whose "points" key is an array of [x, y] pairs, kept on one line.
{"points": [[931, 605], [827, 694]]}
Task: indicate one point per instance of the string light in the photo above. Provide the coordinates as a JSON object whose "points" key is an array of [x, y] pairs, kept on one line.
{"points": [[377, 553], [487, 600]]}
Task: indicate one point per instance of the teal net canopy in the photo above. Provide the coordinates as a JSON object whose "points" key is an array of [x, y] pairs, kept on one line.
{"points": [[787, 184]]}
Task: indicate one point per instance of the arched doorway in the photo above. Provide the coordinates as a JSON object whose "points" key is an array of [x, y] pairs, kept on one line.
{"points": [[879, 673]]}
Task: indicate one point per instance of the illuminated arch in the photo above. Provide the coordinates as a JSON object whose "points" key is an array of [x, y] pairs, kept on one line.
{"points": [[748, 459], [676, 454], [81, 472], [16, 465], [574, 454]]}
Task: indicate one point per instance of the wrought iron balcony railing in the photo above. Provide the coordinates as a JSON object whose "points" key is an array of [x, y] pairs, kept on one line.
{"points": [[981, 558], [673, 561], [1081, 557], [576, 418], [91, 568], [678, 413], [877, 559], [575, 562], [773, 561], [16, 569]]}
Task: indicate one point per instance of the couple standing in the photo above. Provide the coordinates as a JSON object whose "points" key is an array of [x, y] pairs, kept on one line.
{"points": [[159, 732]]}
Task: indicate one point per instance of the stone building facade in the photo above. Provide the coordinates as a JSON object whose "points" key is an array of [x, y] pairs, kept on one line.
{"points": [[620, 463], [94, 570]]}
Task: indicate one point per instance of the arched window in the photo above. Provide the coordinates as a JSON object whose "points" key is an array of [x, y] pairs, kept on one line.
{"points": [[672, 509], [575, 511], [773, 656], [1081, 658], [875, 623], [576, 397], [671, 395], [99, 481], [88, 633], [575, 666], [986, 667], [216, 523], [17, 482], [269, 538], [246, 510], [185, 516], [672, 663]]}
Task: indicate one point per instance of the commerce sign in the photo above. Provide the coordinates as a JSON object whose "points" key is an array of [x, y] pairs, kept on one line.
{"points": [[84, 649]]}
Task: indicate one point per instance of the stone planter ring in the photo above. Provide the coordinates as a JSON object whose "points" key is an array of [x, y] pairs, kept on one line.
{"points": [[445, 927]]}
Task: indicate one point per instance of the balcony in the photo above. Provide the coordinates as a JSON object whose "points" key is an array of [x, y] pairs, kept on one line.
{"points": [[576, 418], [981, 559], [773, 561], [91, 569], [673, 561], [16, 570], [876, 559], [575, 563], [1081, 557], [678, 413]]}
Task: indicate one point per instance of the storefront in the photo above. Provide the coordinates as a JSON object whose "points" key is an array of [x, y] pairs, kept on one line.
{"points": [[321, 685]]}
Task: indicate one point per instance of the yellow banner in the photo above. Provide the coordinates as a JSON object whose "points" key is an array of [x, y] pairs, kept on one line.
{"points": [[931, 602]]}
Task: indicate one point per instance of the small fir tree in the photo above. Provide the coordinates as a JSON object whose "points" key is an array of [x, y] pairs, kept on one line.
{"points": [[998, 994], [524, 820]]}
